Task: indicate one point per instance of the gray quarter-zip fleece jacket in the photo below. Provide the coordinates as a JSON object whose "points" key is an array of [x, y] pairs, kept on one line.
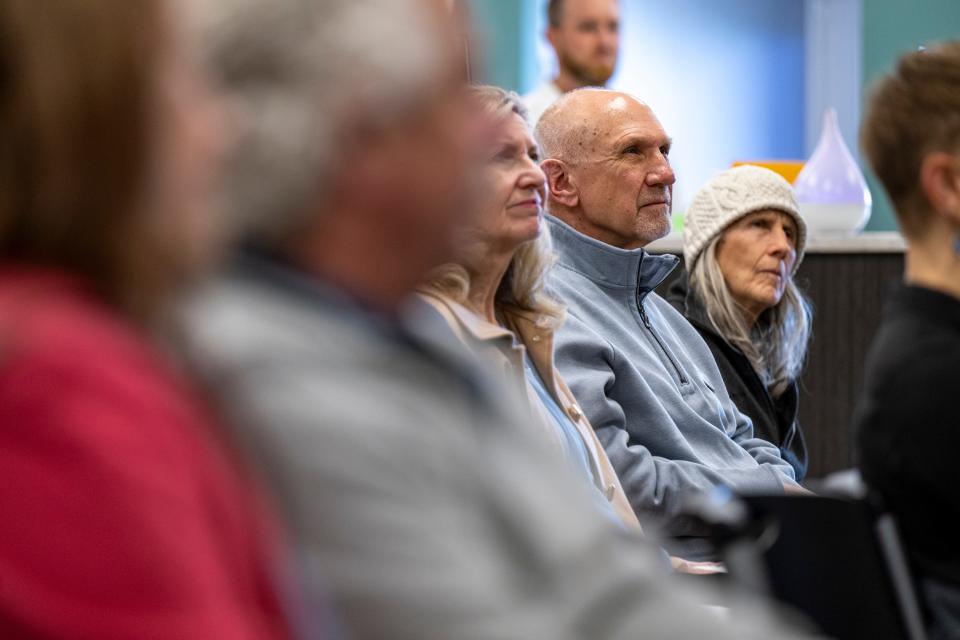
{"points": [[651, 388]]}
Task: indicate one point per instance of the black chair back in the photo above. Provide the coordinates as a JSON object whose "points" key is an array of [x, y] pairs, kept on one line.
{"points": [[839, 562]]}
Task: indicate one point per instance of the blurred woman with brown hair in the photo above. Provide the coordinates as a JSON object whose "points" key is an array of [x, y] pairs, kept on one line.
{"points": [[123, 513]]}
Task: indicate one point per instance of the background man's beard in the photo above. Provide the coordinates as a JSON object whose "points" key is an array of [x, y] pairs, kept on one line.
{"points": [[588, 75]]}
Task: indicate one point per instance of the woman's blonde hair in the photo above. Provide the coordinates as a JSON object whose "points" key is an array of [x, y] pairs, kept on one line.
{"points": [[524, 285], [776, 345]]}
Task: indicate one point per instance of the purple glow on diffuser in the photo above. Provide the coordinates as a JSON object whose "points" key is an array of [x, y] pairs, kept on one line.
{"points": [[832, 176]]}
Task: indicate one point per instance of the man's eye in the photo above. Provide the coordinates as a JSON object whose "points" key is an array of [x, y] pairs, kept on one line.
{"points": [[632, 149], [534, 156], [665, 151]]}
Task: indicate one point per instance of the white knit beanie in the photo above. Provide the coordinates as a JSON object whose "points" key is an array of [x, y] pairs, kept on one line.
{"points": [[731, 195]]}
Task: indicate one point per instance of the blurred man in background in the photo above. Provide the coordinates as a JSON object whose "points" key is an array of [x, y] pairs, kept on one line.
{"points": [[585, 34]]}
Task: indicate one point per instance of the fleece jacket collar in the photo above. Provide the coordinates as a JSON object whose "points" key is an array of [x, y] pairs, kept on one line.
{"points": [[609, 266]]}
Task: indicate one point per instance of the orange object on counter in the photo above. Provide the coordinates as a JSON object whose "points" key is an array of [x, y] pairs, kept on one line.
{"points": [[789, 169]]}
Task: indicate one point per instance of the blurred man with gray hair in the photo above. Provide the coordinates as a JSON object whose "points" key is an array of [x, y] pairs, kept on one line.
{"points": [[420, 506]]}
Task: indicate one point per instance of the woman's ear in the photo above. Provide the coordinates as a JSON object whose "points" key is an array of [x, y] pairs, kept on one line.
{"points": [[560, 184], [940, 181]]}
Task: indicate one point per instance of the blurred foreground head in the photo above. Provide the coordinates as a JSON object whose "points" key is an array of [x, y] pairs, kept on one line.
{"points": [[911, 137], [354, 134], [109, 142]]}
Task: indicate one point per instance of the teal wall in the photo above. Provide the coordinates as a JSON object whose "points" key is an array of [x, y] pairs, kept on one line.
{"points": [[892, 28], [504, 48], [505, 51]]}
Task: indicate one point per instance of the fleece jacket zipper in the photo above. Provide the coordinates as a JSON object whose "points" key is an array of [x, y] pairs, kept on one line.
{"points": [[646, 323]]}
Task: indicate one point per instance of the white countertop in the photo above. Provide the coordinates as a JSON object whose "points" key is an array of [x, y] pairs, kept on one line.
{"points": [[866, 242]]}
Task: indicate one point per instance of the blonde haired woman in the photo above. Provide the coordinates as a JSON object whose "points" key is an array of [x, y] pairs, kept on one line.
{"points": [[743, 242], [494, 300]]}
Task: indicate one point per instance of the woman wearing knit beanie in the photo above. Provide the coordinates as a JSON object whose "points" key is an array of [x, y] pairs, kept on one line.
{"points": [[742, 244]]}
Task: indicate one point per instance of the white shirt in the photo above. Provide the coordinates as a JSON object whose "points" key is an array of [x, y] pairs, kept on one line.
{"points": [[539, 99]]}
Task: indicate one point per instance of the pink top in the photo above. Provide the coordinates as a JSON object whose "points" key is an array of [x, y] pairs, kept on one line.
{"points": [[122, 514]]}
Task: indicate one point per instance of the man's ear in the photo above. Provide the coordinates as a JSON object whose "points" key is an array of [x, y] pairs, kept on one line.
{"points": [[940, 181], [560, 184], [552, 37]]}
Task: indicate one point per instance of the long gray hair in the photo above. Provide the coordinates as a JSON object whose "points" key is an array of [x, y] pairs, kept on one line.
{"points": [[524, 284], [776, 345]]}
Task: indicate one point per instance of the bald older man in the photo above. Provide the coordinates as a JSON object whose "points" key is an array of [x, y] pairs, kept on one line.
{"points": [[644, 376]]}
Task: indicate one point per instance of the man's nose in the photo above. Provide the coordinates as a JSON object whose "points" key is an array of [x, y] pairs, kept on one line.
{"points": [[662, 173], [608, 40]]}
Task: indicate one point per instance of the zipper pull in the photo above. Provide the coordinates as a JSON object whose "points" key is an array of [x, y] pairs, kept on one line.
{"points": [[643, 314]]}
